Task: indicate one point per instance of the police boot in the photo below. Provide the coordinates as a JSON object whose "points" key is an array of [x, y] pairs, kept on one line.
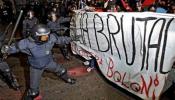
{"points": [[31, 95], [10, 79], [65, 52], [64, 76]]}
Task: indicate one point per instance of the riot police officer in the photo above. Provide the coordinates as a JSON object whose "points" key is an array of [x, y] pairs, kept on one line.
{"points": [[7, 75], [5, 72], [38, 48], [6, 13], [56, 25], [29, 21]]}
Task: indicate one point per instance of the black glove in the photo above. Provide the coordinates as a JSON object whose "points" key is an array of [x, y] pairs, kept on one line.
{"points": [[5, 49]]}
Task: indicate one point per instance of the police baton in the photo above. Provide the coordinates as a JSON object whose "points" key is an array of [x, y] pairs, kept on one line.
{"points": [[13, 32], [16, 25]]}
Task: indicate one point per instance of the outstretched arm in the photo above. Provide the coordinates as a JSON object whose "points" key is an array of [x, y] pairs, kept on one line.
{"points": [[15, 47], [64, 19], [61, 39]]}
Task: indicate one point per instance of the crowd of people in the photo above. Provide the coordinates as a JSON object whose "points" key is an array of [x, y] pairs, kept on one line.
{"points": [[159, 6], [42, 9]]}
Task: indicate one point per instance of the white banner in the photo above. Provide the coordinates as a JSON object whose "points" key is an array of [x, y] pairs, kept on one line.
{"points": [[133, 50]]}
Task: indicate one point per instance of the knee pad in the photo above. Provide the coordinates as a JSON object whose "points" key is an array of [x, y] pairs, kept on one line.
{"points": [[61, 72]]}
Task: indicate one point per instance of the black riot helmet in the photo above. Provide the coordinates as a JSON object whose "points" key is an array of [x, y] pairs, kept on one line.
{"points": [[40, 33]]}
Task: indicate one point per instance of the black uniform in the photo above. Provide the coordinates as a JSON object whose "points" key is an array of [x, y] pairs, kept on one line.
{"points": [[58, 25], [7, 75], [27, 26], [6, 14], [58, 28]]}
